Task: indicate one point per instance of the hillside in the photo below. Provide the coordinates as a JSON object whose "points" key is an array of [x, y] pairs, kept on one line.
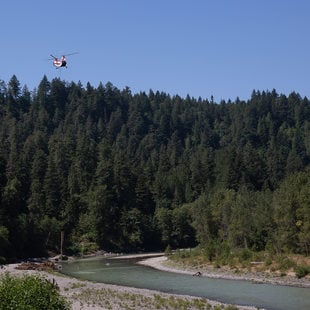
{"points": [[123, 171]]}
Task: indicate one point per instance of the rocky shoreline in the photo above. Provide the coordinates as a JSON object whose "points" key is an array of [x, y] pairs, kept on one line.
{"points": [[163, 263], [86, 295]]}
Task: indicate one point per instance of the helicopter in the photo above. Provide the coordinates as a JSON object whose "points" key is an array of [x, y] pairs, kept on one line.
{"points": [[62, 62]]}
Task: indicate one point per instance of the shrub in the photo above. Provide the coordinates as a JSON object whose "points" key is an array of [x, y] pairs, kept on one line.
{"points": [[268, 261], [30, 293], [284, 263], [168, 250], [302, 271], [245, 255], [210, 250]]}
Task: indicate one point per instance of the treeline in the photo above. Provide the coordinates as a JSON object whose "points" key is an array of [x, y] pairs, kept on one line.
{"points": [[143, 171]]}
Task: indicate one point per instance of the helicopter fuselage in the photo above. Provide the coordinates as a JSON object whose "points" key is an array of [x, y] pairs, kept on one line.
{"points": [[58, 63], [61, 62]]}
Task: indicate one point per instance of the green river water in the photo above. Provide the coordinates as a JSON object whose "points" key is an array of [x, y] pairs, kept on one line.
{"points": [[126, 272]]}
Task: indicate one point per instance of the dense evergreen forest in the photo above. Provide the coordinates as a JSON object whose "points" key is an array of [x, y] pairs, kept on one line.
{"points": [[128, 172]]}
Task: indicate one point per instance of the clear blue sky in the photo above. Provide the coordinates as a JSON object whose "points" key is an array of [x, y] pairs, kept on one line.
{"points": [[224, 48]]}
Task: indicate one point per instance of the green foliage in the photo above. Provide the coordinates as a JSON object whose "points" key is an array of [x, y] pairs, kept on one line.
{"points": [[292, 213], [302, 271], [30, 293], [245, 255], [168, 250], [284, 263], [141, 171], [220, 253]]}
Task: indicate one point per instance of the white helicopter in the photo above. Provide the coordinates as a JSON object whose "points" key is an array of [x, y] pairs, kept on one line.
{"points": [[62, 62]]}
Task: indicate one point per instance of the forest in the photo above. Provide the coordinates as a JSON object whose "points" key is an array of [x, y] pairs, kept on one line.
{"points": [[130, 172]]}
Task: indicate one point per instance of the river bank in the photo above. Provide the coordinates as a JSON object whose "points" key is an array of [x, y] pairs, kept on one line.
{"points": [[163, 263], [86, 295]]}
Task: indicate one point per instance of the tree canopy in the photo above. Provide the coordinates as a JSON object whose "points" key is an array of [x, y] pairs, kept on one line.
{"points": [[142, 171]]}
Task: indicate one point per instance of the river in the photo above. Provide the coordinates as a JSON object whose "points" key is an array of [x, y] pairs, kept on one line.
{"points": [[126, 272]]}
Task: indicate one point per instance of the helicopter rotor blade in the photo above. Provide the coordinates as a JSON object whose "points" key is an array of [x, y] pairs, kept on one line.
{"points": [[71, 54]]}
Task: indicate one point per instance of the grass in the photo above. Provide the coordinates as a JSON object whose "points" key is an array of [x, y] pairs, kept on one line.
{"points": [[110, 299], [77, 285], [243, 260]]}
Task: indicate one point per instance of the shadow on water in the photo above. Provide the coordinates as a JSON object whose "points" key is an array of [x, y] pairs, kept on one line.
{"points": [[126, 272]]}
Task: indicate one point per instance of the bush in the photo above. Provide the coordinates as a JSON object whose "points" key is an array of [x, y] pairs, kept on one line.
{"points": [[268, 261], [245, 255], [210, 250], [285, 263], [302, 271], [30, 293], [168, 250]]}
